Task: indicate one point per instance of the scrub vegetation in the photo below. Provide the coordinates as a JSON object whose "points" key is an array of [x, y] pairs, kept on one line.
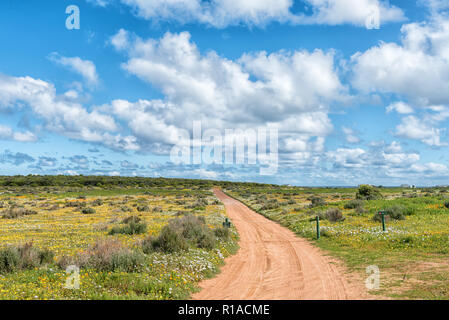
{"points": [[412, 254], [131, 238]]}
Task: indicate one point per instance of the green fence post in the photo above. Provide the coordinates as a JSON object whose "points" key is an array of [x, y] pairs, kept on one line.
{"points": [[318, 227], [382, 214], [227, 223]]}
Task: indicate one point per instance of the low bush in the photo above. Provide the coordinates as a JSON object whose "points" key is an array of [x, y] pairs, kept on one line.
{"points": [[131, 228], [181, 233], [9, 260], [396, 212], [13, 213], [366, 192], [168, 241], [132, 219], [88, 210], [360, 210], [23, 257], [143, 208], [75, 204], [353, 204], [97, 203], [446, 204], [334, 215], [157, 209], [222, 233], [316, 202], [106, 255], [125, 209]]}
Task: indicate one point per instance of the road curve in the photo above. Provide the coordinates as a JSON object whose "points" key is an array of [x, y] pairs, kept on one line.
{"points": [[274, 264]]}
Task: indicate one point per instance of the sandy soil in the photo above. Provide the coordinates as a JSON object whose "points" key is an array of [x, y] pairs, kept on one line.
{"points": [[274, 264]]}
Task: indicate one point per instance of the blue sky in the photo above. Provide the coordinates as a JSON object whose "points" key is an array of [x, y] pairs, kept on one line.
{"points": [[352, 105]]}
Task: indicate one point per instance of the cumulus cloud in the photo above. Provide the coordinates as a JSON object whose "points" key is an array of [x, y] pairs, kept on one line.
{"points": [[120, 40], [416, 128], [416, 68], [290, 91], [59, 114], [85, 68], [382, 157]]}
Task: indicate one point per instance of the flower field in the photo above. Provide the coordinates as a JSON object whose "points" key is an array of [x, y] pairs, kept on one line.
{"points": [[412, 254], [69, 221]]}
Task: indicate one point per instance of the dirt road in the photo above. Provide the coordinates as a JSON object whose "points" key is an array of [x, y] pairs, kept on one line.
{"points": [[274, 264]]}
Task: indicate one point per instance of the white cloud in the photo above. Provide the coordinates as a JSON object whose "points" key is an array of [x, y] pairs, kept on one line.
{"points": [[120, 40], [288, 90], [351, 136], [100, 3], [335, 12], [6, 133], [400, 107], [416, 69], [384, 156], [412, 127], [394, 147], [425, 126], [224, 13], [205, 174], [85, 68], [348, 158], [60, 115]]}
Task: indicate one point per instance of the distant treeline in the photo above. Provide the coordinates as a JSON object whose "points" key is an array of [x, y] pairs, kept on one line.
{"points": [[111, 182]]}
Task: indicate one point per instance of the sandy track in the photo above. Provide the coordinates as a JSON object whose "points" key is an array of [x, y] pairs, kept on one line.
{"points": [[273, 264]]}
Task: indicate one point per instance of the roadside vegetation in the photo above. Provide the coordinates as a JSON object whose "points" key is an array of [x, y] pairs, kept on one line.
{"points": [[131, 238], [412, 255]]}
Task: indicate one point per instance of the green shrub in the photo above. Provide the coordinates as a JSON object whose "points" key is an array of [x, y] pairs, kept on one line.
{"points": [[360, 210], [316, 202], [88, 211], [127, 261], [180, 233], [353, 204], [334, 215], [157, 209], [13, 213], [206, 240], [9, 260], [23, 257], [366, 192], [222, 233], [168, 241], [97, 203], [106, 255], [446, 204], [143, 208], [75, 204], [125, 209], [46, 256], [130, 228], [396, 212], [132, 219]]}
